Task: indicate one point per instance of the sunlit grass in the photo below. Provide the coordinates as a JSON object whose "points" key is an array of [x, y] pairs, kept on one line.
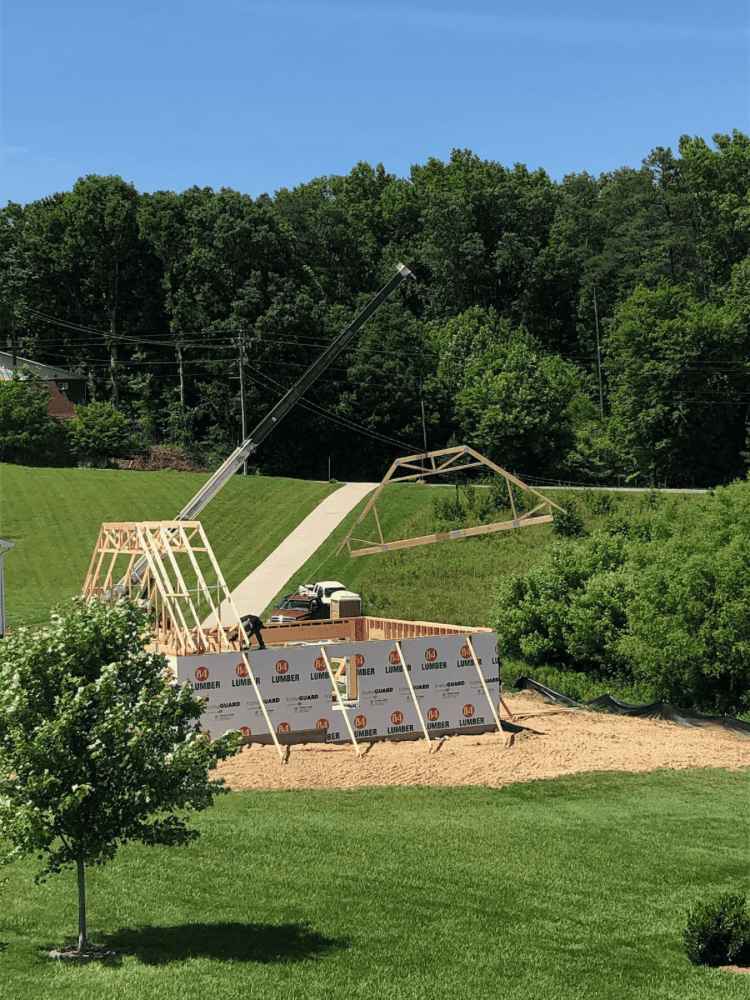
{"points": [[565, 889], [54, 515], [451, 582]]}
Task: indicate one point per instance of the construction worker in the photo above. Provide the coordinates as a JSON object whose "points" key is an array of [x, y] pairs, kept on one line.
{"points": [[253, 626]]}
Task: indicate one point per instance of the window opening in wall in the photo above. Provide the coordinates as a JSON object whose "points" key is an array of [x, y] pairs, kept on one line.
{"points": [[346, 678]]}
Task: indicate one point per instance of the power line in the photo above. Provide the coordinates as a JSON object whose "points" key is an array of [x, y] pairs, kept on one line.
{"points": [[343, 421], [226, 338]]}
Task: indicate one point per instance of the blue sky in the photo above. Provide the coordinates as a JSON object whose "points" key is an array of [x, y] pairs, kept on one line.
{"points": [[260, 96]]}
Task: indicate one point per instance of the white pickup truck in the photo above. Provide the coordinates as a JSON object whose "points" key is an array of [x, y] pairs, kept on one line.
{"points": [[323, 590]]}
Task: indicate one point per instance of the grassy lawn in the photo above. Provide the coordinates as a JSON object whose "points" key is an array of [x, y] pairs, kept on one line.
{"points": [[571, 888], [53, 516]]}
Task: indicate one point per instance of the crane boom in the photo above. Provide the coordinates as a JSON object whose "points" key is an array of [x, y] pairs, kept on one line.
{"points": [[275, 414], [285, 404]]}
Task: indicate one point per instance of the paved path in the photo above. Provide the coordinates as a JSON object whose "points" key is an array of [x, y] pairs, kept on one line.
{"points": [[258, 589]]}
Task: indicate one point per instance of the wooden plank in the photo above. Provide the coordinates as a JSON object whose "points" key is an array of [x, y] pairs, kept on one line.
{"points": [[259, 696], [442, 471], [337, 693], [445, 536], [414, 697], [483, 681]]}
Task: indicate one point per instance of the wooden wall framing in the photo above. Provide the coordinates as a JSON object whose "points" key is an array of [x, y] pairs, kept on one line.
{"points": [[440, 463]]}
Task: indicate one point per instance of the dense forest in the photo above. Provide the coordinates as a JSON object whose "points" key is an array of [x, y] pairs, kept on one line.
{"points": [[594, 331]]}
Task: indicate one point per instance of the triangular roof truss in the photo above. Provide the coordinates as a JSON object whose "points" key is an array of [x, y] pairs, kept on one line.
{"points": [[181, 592], [440, 463]]}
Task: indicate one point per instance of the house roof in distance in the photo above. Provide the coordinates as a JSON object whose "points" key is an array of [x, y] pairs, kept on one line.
{"points": [[43, 371]]}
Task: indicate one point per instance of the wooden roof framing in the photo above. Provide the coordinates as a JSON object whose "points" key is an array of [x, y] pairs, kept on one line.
{"points": [[440, 463], [179, 608]]}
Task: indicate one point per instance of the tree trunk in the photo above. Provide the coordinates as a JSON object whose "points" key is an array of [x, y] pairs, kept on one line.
{"points": [[83, 943]]}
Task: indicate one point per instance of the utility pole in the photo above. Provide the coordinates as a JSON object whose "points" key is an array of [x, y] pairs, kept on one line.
{"points": [[113, 375], [182, 381], [242, 395], [424, 426], [598, 357]]}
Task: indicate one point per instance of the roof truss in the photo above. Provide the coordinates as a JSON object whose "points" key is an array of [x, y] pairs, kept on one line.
{"points": [[182, 584], [440, 463]]}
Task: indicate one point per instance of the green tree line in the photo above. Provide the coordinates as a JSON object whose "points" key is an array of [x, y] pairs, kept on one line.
{"points": [[594, 329]]}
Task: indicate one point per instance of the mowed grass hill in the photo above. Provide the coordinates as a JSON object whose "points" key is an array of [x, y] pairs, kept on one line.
{"points": [[53, 516]]}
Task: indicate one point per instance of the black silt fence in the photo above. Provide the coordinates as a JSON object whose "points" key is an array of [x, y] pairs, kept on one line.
{"points": [[652, 710]]}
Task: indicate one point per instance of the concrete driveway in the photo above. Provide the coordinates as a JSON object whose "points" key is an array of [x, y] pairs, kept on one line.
{"points": [[258, 589]]}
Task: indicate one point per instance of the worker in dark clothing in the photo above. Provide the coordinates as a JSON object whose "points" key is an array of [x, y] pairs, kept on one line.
{"points": [[253, 625]]}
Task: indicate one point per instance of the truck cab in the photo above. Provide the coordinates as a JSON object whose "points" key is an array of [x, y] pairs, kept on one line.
{"points": [[323, 590]]}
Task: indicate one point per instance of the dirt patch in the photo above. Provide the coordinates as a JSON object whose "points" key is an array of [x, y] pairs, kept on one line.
{"points": [[547, 746], [162, 457]]}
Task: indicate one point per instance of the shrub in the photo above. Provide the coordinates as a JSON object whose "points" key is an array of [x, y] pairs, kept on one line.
{"points": [[570, 524], [718, 933], [470, 494], [597, 502], [99, 434], [619, 526], [498, 491], [448, 511], [569, 609]]}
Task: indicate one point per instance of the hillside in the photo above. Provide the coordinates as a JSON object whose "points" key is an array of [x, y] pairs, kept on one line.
{"points": [[449, 582], [53, 516]]}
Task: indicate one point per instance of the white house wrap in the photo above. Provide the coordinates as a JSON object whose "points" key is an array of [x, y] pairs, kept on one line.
{"points": [[296, 687]]}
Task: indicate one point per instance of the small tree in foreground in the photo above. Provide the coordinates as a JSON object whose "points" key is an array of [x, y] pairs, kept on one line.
{"points": [[97, 748]]}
